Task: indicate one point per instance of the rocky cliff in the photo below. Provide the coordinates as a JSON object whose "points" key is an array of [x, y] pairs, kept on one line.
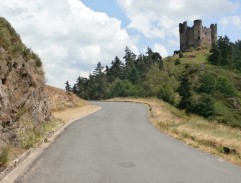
{"points": [[22, 95]]}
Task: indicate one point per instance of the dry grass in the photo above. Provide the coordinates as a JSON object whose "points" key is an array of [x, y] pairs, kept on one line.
{"points": [[74, 113], [60, 100], [207, 136]]}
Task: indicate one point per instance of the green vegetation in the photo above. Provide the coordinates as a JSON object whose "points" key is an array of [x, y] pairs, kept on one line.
{"points": [[30, 135], [202, 81], [10, 41], [3, 156]]}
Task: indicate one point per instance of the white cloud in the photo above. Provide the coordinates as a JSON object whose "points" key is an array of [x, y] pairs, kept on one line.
{"points": [[232, 20], [160, 49], [159, 19], [69, 37]]}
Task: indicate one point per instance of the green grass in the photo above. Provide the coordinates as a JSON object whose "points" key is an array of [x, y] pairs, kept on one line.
{"points": [[193, 66]]}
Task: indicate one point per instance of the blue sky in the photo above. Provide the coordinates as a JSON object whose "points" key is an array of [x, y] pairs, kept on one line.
{"points": [[71, 36], [112, 9]]}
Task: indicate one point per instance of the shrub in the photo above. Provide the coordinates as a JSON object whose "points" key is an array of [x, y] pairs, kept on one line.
{"points": [[124, 88], [167, 94], [4, 156], [225, 87], [177, 61], [181, 55], [29, 135], [201, 105], [208, 82]]}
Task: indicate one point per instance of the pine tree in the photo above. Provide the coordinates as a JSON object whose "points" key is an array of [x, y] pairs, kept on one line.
{"points": [[68, 87]]}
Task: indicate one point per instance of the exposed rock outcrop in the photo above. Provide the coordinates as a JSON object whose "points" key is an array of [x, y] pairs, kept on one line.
{"points": [[22, 96]]}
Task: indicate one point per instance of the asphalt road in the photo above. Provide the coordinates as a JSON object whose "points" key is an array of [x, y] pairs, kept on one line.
{"points": [[118, 145]]}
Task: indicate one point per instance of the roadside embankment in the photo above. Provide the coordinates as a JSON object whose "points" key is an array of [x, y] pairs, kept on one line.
{"points": [[206, 135], [65, 108]]}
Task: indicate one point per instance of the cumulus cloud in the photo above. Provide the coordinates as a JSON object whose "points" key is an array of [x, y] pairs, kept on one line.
{"points": [[69, 37], [232, 20], [160, 49], [159, 19]]}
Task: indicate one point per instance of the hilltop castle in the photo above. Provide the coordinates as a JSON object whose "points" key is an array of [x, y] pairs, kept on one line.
{"points": [[197, 35]]}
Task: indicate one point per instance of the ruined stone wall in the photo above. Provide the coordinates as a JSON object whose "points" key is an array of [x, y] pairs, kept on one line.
{"points": [[206, 36]]}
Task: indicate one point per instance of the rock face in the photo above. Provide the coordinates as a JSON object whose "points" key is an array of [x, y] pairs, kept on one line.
{"points": [[22, 96]]}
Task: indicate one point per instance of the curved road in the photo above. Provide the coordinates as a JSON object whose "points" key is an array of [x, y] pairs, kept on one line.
{"points": [[118, 145]]}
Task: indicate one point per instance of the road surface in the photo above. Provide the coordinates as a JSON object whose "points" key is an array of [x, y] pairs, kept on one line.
{"points": [[118, 145]]}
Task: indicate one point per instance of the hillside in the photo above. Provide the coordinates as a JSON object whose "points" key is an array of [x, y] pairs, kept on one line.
{"points": [[59, 99], [206, 89], [192, 82], [21, 85], [26, 103]]}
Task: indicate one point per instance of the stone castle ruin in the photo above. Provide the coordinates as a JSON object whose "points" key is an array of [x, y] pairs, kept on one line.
{"points": [[197, 35]]}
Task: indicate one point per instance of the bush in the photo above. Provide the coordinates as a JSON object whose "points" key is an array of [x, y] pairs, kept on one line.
{"points": [[208, 82], [201, 105], [4, 156], [178, 61], [225, 87], [181, 55], [167, 94], [124, 88], [29, 135]]}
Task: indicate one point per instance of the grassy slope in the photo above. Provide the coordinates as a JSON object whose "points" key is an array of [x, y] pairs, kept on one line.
{"points": [[197, 62]]}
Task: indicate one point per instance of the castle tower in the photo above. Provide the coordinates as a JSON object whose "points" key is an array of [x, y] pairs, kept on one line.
{"points": [[197, 29], [183, 35], [214, 33]]}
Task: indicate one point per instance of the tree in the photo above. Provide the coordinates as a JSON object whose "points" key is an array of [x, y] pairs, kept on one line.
{"points": [[204, 106], [157, 81], [75, 90], [154, 57], [129, 57], [215, 57], [224, 45], [98, 70], [81, 87], [221, 53], [97, 83], [68, 87], [115, 71]]}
